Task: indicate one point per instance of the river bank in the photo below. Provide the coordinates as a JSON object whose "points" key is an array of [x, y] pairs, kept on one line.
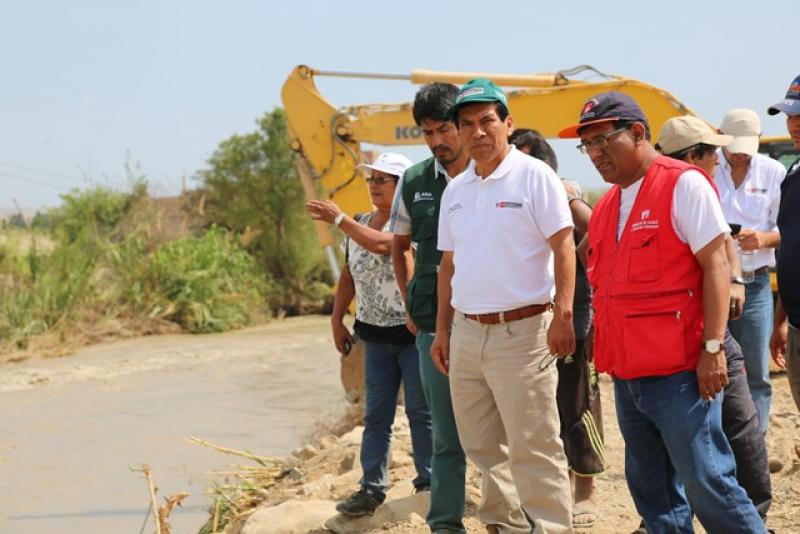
{"points": [[301, 499]]}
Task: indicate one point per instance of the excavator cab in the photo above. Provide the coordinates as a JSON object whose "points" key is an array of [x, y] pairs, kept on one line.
{"points": [[783, 150], [779, 148]]}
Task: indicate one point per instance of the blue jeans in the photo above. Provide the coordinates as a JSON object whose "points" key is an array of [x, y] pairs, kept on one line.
{"points": [[752, 331], [677, 459], [385, 367]]}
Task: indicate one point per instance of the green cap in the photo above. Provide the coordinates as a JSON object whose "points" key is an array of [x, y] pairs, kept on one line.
{"points": [[478, 90]]}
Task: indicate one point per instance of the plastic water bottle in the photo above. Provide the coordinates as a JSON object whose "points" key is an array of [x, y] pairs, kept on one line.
{"points": [[747, 261]]}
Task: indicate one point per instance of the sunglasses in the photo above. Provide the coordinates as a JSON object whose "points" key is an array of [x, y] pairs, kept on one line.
{"points": [[380, 180]]}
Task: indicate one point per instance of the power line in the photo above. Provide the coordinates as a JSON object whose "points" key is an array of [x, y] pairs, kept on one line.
{"points": [[34, 169], [32, 181]]}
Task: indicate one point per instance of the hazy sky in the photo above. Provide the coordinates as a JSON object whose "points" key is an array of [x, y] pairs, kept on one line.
{"points": [[86, 86]]}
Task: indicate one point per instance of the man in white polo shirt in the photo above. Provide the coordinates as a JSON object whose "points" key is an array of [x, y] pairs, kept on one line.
{"points": [[749, 190], [505, 230]]}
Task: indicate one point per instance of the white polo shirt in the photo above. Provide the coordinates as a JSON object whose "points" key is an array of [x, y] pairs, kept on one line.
{"points": [[754, 204], [498, 228]]}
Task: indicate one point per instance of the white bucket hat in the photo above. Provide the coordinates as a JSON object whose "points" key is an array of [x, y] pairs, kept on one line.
{"points": [[390, 163]]}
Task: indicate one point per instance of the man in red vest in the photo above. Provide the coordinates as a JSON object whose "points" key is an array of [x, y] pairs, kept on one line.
{"points": [[660, 278]]}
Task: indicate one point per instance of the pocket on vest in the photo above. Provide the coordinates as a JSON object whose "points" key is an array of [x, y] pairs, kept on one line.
{"points": [[423, 222], [644, 257], [592, 255], [654, 342], [422, 295]]}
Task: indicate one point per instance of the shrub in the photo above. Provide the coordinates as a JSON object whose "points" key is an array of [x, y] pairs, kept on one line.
{"points": [[253, 187], [205, 284]]}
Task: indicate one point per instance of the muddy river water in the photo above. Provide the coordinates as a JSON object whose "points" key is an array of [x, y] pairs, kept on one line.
{"points": [[71, 428]]}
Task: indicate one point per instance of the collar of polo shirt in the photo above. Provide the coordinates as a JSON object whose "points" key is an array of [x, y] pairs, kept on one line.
{"points": [[438, 169], [501, 171]]}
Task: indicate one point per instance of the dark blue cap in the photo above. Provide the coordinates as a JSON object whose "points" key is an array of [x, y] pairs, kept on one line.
{"points": [[605, 107], [791, 103]]}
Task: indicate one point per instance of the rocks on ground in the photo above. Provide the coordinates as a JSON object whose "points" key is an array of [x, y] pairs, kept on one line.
{"points": [[290, 517], [330, 472]]}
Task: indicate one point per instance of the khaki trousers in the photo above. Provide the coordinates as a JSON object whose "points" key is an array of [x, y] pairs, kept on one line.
{"points": [[503, 387]]}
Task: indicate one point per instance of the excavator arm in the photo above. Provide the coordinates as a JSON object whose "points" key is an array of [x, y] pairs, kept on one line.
{"points": [[327, 139]]}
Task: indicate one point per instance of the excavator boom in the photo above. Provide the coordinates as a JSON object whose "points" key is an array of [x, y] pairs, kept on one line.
{"points": [[327, 138]]}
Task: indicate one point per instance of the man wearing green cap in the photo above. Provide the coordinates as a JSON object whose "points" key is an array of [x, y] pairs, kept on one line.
{"points": [[505, 230], [415, 215]]}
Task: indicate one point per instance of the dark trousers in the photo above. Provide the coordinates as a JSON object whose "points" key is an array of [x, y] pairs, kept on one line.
{"points": [[579, 409], [449, 463], [741, 426]]}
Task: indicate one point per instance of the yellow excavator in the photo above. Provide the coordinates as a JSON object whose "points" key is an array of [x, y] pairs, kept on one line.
{"points": [[327, 139]]}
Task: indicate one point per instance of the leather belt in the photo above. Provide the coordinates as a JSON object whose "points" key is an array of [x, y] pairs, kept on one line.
{"points": [[511, 315], [761, 270]]}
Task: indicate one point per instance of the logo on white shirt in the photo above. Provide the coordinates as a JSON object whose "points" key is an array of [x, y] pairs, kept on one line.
{"points": [[454, 207], [508, 204], [757, 190], [424, 195]]}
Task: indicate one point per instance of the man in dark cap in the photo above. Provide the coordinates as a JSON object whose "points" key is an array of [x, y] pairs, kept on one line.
{"points": [[660, 279], [785, 342]]}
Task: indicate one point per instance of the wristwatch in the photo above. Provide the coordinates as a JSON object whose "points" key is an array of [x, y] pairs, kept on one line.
{"points": [[737, 280], [712, 346], [338, 219]]}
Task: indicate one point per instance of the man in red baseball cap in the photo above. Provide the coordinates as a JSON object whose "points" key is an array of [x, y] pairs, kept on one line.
{"points": [[660, 279]]}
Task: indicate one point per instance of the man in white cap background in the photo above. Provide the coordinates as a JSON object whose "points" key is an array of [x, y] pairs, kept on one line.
{"points": [[692, 140], [785, 342], [390, 355], [749, 190]]}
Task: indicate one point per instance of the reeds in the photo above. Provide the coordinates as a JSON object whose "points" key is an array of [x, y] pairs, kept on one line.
{"points": [[102, 261]]}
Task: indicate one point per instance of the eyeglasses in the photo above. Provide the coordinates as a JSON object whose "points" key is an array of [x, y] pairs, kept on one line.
{"points": [[599, 142], [380, 180]]}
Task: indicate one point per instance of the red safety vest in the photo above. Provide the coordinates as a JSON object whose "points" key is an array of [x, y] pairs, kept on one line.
{"points": [[648, 297]]}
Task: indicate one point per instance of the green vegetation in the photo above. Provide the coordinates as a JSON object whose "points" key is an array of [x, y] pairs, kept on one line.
{"points": [[253, 189], [103, 264], [205, 284], [108, 263]]}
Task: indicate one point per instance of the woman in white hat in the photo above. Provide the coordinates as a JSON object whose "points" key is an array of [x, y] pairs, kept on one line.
{"points": [[390, 353]]}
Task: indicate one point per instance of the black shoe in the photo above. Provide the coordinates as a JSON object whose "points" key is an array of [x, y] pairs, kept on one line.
{"points": [[360, 503], [422, 487]]}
